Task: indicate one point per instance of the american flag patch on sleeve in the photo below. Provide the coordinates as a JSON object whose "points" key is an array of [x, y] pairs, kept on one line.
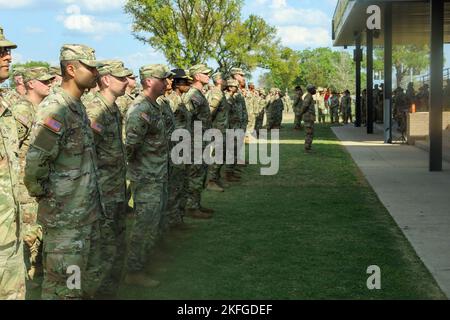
{"points": [[145, 116], [23, 120], [97, 127], [53, 125]]}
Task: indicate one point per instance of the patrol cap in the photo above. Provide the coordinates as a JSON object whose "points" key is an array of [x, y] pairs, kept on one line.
{"points": [[251, 84], [199, 68], [234, 71], [114, 68], [55, 71], [130, 73], [18, 71], [180, 74], [217, 76], [310, 87], [5, 43], [79, 52], [232, 83], [37, 73], [158, 71]]}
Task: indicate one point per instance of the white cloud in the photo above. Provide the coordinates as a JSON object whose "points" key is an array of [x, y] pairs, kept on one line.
{"points": [[9, 4], [309, 17], [98, 5], [75, 21], [278, 4], [298, 36], [140, 58]]}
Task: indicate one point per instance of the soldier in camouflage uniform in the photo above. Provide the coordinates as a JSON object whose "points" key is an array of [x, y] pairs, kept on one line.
{"points": [[12, 270], [14, 95], [219, 112], [298, 103], [346, 107], [252, 104], [308, 112], [334, 106], [169, 120], [199, 107], [178, 175], [234, 121], [239, 98], [37, 81], [261, 108], [274, 109], [147, 146], [106, 124], [61, 172], [125, 101]]}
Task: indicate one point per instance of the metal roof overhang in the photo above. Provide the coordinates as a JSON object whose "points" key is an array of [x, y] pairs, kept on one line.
{"points": [[410, 22]]}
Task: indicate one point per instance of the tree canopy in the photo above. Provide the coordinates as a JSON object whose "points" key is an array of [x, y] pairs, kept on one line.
{"points": [[189, 32]]}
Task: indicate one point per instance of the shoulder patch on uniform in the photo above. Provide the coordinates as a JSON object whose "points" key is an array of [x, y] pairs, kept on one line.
{"points": [[145, 116], [52, 124], [97, 127]]}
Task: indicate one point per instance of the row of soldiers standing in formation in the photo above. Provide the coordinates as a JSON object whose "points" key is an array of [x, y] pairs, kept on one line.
{"points": [[68, 168]]}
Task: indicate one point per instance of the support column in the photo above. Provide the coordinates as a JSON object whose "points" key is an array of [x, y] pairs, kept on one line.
{"points": [[358, 58], [387, 73], [369, 41], [436, 83]]}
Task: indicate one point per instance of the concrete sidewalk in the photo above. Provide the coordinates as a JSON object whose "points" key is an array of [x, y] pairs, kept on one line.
{"points": [[419, 201]]}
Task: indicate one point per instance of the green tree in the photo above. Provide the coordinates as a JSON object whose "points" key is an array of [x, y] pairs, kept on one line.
{"points": [[405, 59], [188, 32]]}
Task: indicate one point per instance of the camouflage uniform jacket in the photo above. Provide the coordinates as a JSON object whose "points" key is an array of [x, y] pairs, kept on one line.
{"points": [[106, 123], [61, 166], [334, 102], [234, 116], [242, 107], [308, 106], [199, 107], [124, 102], [346, 103], [146, 142], [12, 97], [298, 104], [182, 116], [220, 109], [169, 118], [10, 219], [24, 112]]}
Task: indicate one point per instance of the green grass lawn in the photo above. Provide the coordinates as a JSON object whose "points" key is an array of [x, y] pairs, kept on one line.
{"points": [[309, 232]]}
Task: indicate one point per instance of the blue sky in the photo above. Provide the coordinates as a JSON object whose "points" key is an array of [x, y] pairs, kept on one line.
{"points": [[40, 27]]}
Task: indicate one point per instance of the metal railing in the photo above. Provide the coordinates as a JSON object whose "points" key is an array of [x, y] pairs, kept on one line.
{"points": [[426, 77]]}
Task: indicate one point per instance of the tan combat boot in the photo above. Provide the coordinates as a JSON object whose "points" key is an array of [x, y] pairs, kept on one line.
{"points": [[214, 186], [197, 214], [140, 279]]}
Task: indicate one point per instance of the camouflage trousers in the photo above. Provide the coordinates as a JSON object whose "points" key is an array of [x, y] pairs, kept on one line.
{"points": [[259, 121], [71, 257], [251, 126], [112, 247], [347, 115], [177, 194], [150, 200], [297, 121], [12, 272], [321, 115], [31, 230], [196, 175], [214, 169], [309, 130], [334, 113]]}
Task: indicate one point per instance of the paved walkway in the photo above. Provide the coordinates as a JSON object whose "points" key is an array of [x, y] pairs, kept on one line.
{"points": [[419, 201]]}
